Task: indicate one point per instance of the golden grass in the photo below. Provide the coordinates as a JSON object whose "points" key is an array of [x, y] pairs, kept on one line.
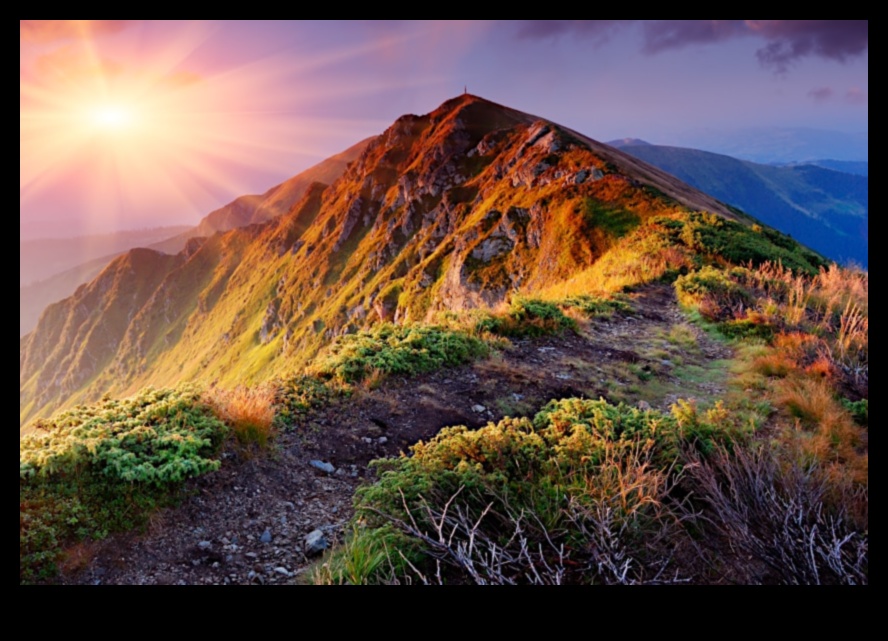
{"points": [[248, 411]]}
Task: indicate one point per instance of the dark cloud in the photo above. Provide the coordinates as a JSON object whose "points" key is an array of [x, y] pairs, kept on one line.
{"points": [[786, 40], [660, 35], [53, 30], [790, 40], [821, 94], [599, 30], [857, 96]]}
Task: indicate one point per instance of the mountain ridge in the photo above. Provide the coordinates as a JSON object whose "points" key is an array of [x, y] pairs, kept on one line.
{"points": [[453, 210]]}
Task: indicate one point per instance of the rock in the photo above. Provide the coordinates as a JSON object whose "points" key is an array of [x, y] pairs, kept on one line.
{"points": [[382, 440], [322, 466], [478, 409], [266, 537], [316, 542], [282, 570], [204, 545]]}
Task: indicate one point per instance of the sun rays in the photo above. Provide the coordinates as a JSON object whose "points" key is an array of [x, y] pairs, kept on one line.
{"points": [[161, 129]]}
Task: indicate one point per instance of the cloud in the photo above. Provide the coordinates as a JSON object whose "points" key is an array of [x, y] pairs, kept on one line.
{"points": [[660, 35], [821, 94], [857, 96], [790, 40], [41, 31], [786, 41]]}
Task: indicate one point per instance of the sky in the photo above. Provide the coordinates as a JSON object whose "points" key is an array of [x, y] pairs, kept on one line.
{"points": [[128, 124]]}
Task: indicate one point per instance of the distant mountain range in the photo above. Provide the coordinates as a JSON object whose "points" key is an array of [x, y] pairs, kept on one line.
{"points": [[827, 210], [52, 269], [779, 144]]}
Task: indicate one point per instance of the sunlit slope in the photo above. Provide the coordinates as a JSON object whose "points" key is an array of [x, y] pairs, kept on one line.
{"points": [[453, 210]]}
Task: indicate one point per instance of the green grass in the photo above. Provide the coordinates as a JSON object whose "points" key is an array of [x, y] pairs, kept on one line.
{"points": [[615, 222]]}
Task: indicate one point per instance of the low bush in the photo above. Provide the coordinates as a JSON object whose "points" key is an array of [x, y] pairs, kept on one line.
{"points": [[101, 468], [526, 317], [397, 350], [297, 395], [578, 495], [782, 518]]}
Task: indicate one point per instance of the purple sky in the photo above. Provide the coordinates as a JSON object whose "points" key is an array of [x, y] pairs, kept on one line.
{"points": [[277, 96]]}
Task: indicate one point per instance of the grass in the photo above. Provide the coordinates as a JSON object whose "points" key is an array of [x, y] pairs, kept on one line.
{"points": [[249, 412]]}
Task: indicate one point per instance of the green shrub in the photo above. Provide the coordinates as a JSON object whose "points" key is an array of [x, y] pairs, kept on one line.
{"points": [[712, 292], [526, 317], [397, 350], [104, 467], [596, 306], [580, 470], [297, 395]]}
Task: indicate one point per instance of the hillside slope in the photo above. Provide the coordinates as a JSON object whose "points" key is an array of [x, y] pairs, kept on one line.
{"points": [[454, 210]]}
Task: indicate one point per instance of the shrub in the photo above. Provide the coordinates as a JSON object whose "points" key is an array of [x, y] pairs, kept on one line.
{"points": [[397, 350], [104, 467], [778, 513], [713, 293], [526, 317], [578, 495], [297, 395]]}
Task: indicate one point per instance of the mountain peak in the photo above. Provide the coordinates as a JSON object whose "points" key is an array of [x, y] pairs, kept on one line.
{"points": [[452, 210]]}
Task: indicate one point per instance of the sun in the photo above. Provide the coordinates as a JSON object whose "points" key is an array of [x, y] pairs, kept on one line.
{"points": [[112, 117]]}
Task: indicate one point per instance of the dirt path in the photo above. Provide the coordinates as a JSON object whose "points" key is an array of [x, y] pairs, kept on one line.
{"points": [[248, 522]]}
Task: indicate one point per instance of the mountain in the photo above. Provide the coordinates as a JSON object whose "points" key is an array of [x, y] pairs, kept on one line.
{"points": [[859, 167], [41, 258], [453, 210], [826, 210], [603, 376], [779, 144], [242, 211]]}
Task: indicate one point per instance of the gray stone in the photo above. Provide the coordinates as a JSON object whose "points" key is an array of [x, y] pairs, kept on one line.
{"points": [[282, 570], [322, 466], [316, 542], [478, 409], [266, 537], [204, 545]]}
